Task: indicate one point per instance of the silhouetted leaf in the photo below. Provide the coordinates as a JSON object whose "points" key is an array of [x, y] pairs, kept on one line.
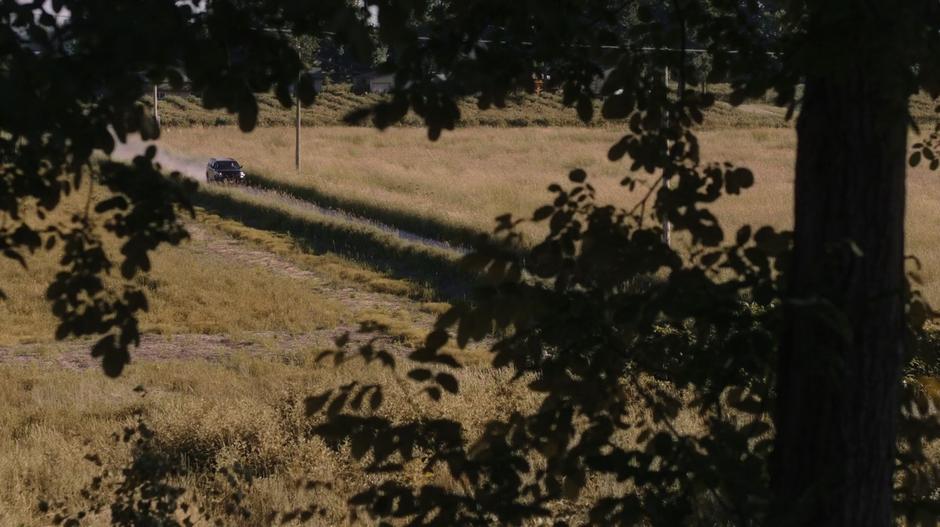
{"points": [[737, 179], [447, 381], [314, 404], [420, 374], [433, 392], [247, 112], [543, 213], [618, 150], [585, 108]]}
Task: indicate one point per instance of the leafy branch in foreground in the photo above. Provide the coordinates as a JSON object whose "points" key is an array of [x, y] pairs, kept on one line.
{"points": [[67, 97], [654, 368]]}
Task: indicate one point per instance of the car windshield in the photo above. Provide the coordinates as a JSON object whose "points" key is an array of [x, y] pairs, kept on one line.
{"points": [[227, 165]]}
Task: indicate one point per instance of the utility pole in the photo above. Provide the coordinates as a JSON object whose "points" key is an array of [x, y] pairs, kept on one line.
{"points": [[156, 111], [297, 135], [288, 33]]}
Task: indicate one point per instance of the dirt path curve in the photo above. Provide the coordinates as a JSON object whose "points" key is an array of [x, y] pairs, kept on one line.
{"points": [[196, 169], [75, 354], [351, 295]]}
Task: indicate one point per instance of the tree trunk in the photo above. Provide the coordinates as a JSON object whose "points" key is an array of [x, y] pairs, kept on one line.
{"points": [[842, 350]]}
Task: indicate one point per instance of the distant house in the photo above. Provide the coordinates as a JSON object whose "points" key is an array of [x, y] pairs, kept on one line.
{"points": [[372, 82], [381, 83]]}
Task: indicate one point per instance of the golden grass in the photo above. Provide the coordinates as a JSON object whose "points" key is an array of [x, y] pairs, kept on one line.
{"points": [[522, 110], [327, 264], [315, 231], [245, 411], [240, 409], [463, 180], [190, 290], [337, 100], [241, 412], [225, 297], [470, 176]]}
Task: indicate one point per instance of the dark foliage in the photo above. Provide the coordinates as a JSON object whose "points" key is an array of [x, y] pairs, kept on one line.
{"points": [[619, 332]]}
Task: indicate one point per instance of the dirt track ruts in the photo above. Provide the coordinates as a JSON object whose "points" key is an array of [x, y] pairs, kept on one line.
{"points": [[196, 168], [357, 299], [75, 354]]}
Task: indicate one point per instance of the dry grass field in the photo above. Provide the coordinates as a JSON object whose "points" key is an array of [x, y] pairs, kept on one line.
{"points": [[209, 285], [243, 413], [239, 313], [239, 316], [240, 412], [456, 186]]}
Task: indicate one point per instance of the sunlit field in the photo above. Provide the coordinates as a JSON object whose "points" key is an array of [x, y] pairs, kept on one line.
{"points": [[240, 314], [432, 263], [460, 183], [193, 288], [239, 318]]}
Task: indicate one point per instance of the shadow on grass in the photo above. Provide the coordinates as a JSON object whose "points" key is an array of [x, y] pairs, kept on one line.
{"points": [[435, 268], [419, 225]]}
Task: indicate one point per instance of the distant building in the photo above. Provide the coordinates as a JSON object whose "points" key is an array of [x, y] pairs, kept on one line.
{"points": [[372, 82]]}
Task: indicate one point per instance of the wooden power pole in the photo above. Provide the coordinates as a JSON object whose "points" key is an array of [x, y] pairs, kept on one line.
{"points": [[297, 135], [156, 111]]}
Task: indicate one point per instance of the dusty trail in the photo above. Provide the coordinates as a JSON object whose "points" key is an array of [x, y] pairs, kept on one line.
{"points": [[354, 298], [196, 169], [351, 295]]}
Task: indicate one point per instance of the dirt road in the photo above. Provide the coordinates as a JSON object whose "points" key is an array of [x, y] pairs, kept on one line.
{"points": [[355, 299], [196, 169]]}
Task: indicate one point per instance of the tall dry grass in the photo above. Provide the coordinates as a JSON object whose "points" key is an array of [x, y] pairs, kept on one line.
{"points": [[241, 413], [244, 413], [190, 289], [247, 411], [429, 267], [237, 411], [457, 186]]}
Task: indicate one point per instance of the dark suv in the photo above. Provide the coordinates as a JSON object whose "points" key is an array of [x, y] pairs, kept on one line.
{"points": [[224, 169]]}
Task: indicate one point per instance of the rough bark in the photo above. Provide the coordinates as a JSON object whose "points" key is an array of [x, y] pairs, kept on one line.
{"points": [[842, 351]]}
